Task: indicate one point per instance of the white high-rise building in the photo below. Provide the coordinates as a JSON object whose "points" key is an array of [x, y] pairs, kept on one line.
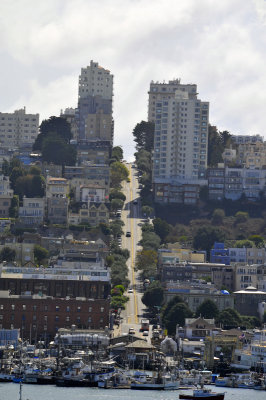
{"points": [[180, 140], [18, 130]]}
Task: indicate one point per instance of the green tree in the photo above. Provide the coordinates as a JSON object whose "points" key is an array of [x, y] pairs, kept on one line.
{"points": [[218, 216], [40, 254], [150, 241], [161, 228], [116, 204], [34, 170], [116, 194], [144, 135], [16, 173], [229, 317], [250, 322], [117, 153], [116, 227], [146, 262], [153, 296], [57, 126], [56, 150], [241, 217], [206, 236], [257, 239], [146, 211], [177, 315], [30, 186], [207, 309], [217, 142], [165, 310], [7, 254], [244, 243], [118, 174], [14, 207]]}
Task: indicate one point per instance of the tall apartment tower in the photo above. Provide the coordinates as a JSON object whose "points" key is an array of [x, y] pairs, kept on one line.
{"points": [[18, 130], [180, 141], [95, 121]]}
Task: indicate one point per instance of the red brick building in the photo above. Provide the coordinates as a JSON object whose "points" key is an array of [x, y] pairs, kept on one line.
{"points": [[40, 317]]}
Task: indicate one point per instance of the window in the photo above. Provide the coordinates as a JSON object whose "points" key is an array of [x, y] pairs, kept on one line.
{"points": [[24, 307], [57, 308], [78, 309], [102, 309], [1, 307], [13, 307], [90, 309], [68, 309]]}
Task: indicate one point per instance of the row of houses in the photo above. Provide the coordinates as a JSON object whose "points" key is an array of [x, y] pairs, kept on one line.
{"points": [[90, 197], [185, 273]]}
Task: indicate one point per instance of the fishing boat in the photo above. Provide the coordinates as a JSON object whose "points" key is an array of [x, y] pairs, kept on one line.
{"points": [[119, 380], [202, 394], [6, 377], [143, 381]]}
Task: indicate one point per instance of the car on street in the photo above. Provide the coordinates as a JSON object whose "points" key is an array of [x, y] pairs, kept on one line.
{"points": [[131, 331], [130, 290], [128, 234], [135, 201], [145, 333]]}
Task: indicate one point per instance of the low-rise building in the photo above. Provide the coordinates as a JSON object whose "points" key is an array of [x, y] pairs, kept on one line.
{"points": [[198, 328], [193, 294], [93, 193], [6, 195], [56, 187], [32, 211], [167, 190], [96, 152], [219, 254], [250, 275], [223, 277], [232, 183], [90, 213], [57, 210], [247, 300]]}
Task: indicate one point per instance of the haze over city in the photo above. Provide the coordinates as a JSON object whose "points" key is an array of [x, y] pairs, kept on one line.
{"points": [[218, 45]]}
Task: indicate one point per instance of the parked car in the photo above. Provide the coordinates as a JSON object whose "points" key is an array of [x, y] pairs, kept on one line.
{"points": [[131, 331], [128, 234], [135, 201], [145, 333]]}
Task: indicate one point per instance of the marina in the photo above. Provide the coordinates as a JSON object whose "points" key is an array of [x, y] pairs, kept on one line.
{"points": [[10, 391]]}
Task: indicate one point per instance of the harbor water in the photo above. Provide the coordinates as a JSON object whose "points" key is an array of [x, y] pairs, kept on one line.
{"points": [[10, 391]]}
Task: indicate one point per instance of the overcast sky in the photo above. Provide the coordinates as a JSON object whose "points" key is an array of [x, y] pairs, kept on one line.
{"points": [[218, 44]]}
